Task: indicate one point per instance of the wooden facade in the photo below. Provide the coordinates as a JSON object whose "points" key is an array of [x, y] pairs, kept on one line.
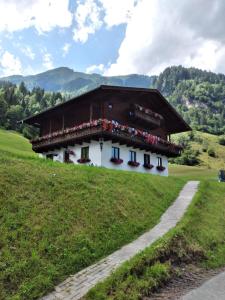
{"points": [[143, 109]]}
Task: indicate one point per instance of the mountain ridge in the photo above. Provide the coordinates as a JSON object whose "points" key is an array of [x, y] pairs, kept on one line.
{"points": [[64, 79]]}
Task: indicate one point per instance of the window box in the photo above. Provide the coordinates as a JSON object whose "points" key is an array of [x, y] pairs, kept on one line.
{"points": [[71, 152], [83, 160], [160, 168], [116, 161], [133, 163], [148, 166]]}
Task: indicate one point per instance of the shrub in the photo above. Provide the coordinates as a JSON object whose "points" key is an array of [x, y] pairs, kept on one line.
{"points": [[211, 153], [222, 140], [188, 157]]}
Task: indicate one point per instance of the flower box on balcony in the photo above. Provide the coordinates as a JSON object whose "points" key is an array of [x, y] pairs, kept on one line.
{"points": [[160, 168], [83, 160], [116, 161], [148, 166], [133, 163]]}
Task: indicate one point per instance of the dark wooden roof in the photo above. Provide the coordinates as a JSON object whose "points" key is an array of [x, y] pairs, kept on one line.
{"points": [[174, 122]]}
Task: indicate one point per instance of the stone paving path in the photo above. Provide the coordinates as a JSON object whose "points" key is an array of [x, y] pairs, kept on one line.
{"points": [[76, 286], [213, 289]]}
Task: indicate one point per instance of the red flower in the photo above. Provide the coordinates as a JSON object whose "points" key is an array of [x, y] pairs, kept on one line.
{"points": [[148, 166], [116, 161], [71, 152], [133, 163], [160, 168], [83, 160]]}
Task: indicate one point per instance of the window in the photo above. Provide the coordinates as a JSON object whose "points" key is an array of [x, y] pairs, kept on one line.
{"points": [[85, 153], [133, 156], [146, 159], [159, 161], [116, 152]]}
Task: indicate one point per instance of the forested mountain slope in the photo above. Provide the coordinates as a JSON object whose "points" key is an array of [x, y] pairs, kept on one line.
{"points": [[198, 95]]}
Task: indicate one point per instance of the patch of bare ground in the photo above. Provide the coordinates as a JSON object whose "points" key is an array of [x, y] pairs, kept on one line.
{"points": [[187, 278]]}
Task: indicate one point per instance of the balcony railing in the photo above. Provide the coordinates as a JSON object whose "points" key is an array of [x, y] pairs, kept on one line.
{"points": [[108, 130], [147, 116]]}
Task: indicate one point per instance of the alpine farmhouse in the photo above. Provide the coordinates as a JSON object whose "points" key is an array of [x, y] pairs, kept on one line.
{"points": [[115, 127]]}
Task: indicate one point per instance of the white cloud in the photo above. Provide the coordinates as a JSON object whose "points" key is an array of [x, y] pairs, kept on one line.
{"points": [[95, 69], [47, 61], [66, 49], [118, 11], [91, 15], [161, 33], [9, 64], [44, 15], [28, 52], [87, 17]]}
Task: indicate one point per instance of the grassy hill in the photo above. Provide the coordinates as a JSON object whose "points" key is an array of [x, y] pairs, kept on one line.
{"points": [[203, 142], [56, 219], [13, 143], [197, 243], [209, 141]]}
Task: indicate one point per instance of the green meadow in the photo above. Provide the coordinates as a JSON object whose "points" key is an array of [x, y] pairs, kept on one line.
{"points": [[57, 219]]}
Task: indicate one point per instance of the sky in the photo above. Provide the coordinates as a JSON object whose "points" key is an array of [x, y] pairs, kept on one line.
{"points": [[111, 37]]}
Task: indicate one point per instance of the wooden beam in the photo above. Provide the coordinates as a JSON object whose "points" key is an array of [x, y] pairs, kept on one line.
{"points": [[63, 122], [91, 112]]}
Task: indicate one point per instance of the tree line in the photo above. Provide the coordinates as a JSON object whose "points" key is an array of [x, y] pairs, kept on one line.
{"points": [[17, 103]]}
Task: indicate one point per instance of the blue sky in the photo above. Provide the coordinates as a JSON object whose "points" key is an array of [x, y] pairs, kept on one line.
{"points": [[111, 37]]}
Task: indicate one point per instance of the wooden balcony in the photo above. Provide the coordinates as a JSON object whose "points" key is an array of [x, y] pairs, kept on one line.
{"points": [[95, 133], [145, 117]]}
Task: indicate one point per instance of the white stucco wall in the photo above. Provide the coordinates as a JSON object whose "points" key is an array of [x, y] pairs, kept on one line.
{"points": [[124, 154], [102, 158]]}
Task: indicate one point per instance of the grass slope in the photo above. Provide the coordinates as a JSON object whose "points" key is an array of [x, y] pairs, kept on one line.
{"points": [[193, 173], [55, 219], [212, 142], [15, 144], [199, 238], [209, 141]]}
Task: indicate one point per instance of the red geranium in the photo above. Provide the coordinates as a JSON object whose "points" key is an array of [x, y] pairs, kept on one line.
{"points": [[83, 160], [133, 163], [160, 168], [116, 161], [148, 166]]}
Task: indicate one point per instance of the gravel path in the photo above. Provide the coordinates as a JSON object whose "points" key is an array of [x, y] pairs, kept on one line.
{"points": [[76, 286], [213, 289], [191, 278]]}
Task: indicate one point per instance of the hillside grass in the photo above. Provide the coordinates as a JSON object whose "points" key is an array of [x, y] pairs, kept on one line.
{"points": [[56, 219], [198, 239], [13, 143], [204, 141], [193, 172], [212, 142]]}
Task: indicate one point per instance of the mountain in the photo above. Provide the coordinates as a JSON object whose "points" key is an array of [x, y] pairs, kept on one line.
{"points": [[198, 95], [66, 80]]}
